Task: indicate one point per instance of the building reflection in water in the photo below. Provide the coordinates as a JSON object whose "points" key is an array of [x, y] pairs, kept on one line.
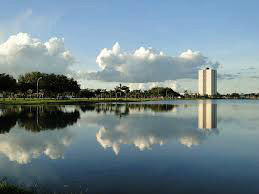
{"points": [[207, 115]]}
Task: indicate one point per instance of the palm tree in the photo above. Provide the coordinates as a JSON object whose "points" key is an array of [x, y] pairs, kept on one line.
{"points": [[117, 90], [30, 92], [126, 90]]}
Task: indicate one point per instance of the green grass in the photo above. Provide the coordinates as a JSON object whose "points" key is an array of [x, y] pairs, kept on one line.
{"points": [[6, 188], [78, 101], [33, 101]]}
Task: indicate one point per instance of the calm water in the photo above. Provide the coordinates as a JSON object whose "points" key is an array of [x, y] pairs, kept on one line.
{"points": [[157, 147]]}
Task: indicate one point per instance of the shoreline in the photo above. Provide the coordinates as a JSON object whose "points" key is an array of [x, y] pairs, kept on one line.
{"points": [[79, 101], [75, 101]]}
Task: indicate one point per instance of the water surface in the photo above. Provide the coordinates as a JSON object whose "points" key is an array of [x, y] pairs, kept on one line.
{"points": [[154, 147]]}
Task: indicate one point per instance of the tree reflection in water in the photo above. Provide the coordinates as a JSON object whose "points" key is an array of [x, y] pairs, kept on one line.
{"points": [[37, 118], [125, 109], [46, 118], [8, 118]]}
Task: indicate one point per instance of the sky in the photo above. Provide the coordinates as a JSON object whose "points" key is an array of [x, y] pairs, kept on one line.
{"points": [[138, 43]]}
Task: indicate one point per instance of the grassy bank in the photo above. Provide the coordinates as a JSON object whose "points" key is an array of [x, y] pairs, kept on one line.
{"points": [[35, 101], [6, 188]]}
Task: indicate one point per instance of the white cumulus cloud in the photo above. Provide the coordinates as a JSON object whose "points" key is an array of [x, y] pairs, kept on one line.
{"points": [[147, 65], [148, 85], [22, 53]]}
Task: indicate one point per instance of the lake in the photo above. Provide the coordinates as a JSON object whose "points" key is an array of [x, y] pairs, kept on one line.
{"points": [[142, 148]]}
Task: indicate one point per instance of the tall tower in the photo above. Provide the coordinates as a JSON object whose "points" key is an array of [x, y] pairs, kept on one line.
{"points": [[207, 82]]}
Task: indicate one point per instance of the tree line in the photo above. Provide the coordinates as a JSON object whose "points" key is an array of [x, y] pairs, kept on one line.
{"points": [[43, 85], [36, 83], [125, 92]]}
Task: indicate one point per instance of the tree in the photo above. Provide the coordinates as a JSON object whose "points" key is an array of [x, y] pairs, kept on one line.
{"points": [[52, 84], [161, 91], [136, 93], [125, 90], [98, 93], [28, 81], [118, 90], [87, 93], [29, 92], [7, 83], [235, 95]]}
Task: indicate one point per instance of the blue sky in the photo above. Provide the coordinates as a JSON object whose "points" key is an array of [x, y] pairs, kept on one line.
{"points": [[224, 31]]}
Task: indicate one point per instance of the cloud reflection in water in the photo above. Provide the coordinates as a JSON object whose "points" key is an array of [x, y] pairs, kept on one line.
{"points": [[23, 146], [30, 132], [144, 130]]}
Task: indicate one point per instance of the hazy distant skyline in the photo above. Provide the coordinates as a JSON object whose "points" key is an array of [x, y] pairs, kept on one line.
{"points": [[147, 43]]}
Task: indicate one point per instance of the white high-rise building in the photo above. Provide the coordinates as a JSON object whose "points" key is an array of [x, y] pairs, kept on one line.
{"points": [[207, 82]]}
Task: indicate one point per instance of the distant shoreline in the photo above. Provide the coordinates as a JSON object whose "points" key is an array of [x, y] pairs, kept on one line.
{"points": [[73, 101], [78, 101]]}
